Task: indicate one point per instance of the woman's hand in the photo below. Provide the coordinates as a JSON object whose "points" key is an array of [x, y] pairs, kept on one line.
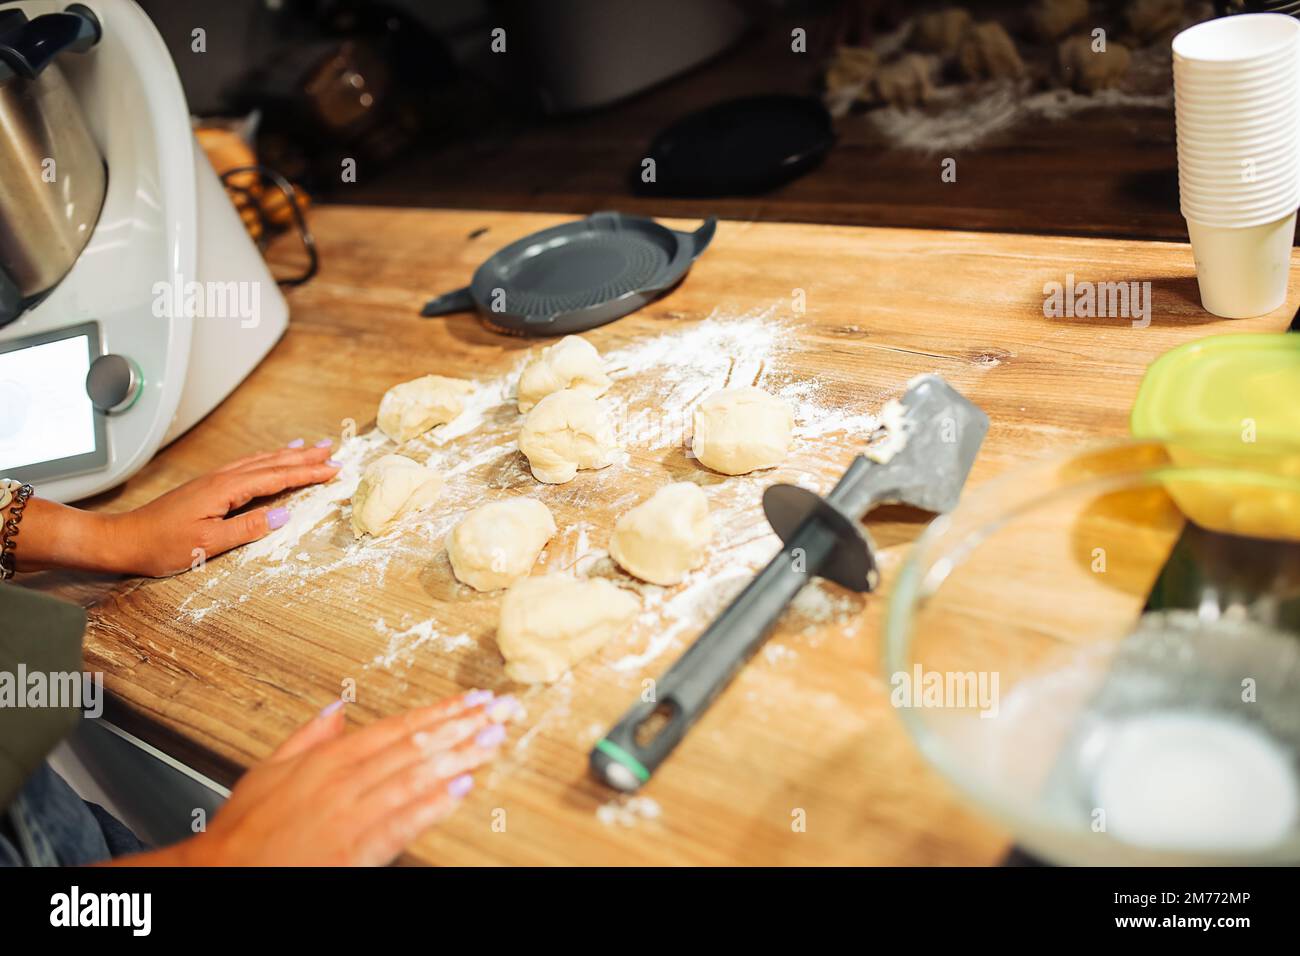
{"points": [[166, 535], [326, 798]]}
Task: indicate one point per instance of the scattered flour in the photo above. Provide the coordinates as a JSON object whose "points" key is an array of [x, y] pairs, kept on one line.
{"points": [[775, 652], [311, 506], [628, 811], [820, 604], [402, 644], [658, 379]]}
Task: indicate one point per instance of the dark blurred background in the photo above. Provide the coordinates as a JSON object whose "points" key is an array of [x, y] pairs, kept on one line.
{"points": [[556, 104]]}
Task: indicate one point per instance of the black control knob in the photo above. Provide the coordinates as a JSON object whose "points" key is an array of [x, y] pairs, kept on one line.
{"points": [[113, 383]]}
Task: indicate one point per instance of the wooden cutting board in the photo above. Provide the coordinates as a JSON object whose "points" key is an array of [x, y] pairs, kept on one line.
{"points": [[802, 760]]}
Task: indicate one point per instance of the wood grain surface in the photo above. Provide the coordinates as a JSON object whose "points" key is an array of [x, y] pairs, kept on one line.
{"points": [[219, 664]]}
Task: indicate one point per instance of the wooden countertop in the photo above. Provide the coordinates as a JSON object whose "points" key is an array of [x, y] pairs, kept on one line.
{"points": [[219, 664]]}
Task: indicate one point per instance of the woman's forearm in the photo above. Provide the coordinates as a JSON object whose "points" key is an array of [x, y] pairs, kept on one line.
{"points": [[52, 535], [200, 519]]}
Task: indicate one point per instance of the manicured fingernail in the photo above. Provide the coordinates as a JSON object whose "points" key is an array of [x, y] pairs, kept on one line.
{"points": [[476, 697], [333, 462], [490, 736], [331, 708], [461, 786], [325, 443], [296, 443], [277, 518], [505, 708]]}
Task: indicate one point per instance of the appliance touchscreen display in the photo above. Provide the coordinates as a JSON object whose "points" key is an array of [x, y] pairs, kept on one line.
{"points": [[45, 413]]}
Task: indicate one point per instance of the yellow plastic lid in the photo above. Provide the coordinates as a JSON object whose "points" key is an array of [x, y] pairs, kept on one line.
{"points": [[1244, 386], [1242, 394]]}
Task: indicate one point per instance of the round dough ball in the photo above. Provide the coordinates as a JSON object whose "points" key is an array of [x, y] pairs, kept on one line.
{"points": [[549, 623], [940, 32], [1052, 19], [852, 66], [987, 52], [567, 430], [1150, 19], [664, 537], [498, 543], [410, 409], [1088, 71], [738, 430], [391, 488], [572, 362], [905, 83]]}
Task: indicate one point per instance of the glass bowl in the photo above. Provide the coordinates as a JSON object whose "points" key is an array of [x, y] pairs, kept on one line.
{"points": [[1103, 653]]}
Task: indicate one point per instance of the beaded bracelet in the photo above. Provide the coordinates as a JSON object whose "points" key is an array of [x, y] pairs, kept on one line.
{"points": [[15, 493]]}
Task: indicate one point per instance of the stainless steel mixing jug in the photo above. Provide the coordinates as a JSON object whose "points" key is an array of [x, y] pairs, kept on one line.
{"points": [[52, 176]]}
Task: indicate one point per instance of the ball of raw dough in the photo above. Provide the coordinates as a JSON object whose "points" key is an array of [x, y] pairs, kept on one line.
{"points": [[1087, 70], [853, 66], [572, 362], [664, 537], [550, 622], [410, 409], [940, 32], [740, 429], [848, 78], [391, 488], [1052, 19], [567, 430], [987, 52], [1150, 19], [498, 543], [905, 82]]}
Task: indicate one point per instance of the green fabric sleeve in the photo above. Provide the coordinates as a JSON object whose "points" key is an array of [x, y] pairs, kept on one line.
{"points": [[39, 637]]}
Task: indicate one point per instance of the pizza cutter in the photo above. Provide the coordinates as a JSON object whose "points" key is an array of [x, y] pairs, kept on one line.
{"points": [[933, 436]]}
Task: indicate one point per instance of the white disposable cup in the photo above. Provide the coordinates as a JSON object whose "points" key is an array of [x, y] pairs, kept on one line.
{"points": [[1226, 196], [1228, 132], [1248, 175], [1238, 119], [1276, 159], [1206, 219], [1279, 161], [1229, 187], [1243, 71], [1217, 54], [1261, 208], [1225, 207], [1251, 173], [1193, 104], [1229, 42], [1248, 115], [1224, 203], [1239, 73], [1242, 272], [1236, 218], [1239, 83], [1248, 108], [1194, 159], [1252, 84], [1246, 66], [1276, 145]]}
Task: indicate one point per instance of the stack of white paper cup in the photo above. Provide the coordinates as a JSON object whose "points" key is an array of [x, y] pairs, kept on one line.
{"points": [[1237, 108]]}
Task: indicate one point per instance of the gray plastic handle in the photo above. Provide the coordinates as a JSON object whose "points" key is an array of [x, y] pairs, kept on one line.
{"points": [[684, 693], [459, 300]]}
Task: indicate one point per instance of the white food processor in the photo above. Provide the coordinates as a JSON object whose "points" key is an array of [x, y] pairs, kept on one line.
{"points": [[132, 301]]}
